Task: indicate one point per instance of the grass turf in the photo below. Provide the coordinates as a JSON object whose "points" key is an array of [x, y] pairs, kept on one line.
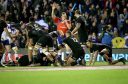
{"points": [[65, 77]]}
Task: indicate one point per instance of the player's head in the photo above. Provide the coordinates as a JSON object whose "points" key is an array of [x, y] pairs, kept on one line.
{"points": [[77, 13], [88, 44], [63, 16]]}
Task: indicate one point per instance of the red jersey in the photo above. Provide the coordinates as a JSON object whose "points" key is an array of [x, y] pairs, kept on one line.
{"points": [[62, 27]]}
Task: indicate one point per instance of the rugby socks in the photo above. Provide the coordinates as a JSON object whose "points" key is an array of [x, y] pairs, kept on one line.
{"points": [[9, 56], [62, 56], [3, 58], [59, 58]]}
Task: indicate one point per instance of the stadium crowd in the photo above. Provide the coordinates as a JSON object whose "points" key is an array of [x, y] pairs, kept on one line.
{"points": [[46, 25]]}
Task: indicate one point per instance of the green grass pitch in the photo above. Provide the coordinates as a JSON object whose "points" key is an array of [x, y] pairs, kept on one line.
{"points": [[65, 77]]}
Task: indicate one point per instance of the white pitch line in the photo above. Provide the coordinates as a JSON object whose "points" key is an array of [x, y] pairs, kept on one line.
{"points": [[65, 68]]}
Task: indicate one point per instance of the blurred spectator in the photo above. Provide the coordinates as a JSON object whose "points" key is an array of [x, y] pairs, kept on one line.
{"points": [[121, 20], [93, 37], [126, 39], [97, 13], [107, 35], [125, 12], [125, 26], [113, 18], [101, 25]]}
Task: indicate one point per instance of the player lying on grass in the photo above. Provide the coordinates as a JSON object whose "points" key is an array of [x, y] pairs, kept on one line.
{"points": [[104, 51], [77, 56]]}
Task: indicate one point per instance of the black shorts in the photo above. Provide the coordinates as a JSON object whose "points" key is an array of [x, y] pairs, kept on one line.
{"points": [[43, 41], [78, 54], [6, 42]]}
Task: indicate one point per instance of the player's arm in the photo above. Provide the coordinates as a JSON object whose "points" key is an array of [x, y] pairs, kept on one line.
{"points": [[95, 57], [53, 10], [30, 49], [104, 53], [91, 58], [68, 24], [60, 32], [76, 28]]}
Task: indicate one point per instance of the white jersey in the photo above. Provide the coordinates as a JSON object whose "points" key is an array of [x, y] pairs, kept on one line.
{"points": [[5, 36]]}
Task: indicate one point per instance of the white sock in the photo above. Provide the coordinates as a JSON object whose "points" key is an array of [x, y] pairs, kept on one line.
{"points": [[3, 58], [16, 55], [9, 56], [62, 56]]}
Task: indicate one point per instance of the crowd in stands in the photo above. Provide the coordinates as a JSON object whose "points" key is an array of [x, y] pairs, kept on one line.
{"points": [[106, 20]]}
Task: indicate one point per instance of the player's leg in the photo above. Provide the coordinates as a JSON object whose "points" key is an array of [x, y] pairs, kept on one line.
{"points": [[80, 57], [30, 53], [70, 61], [106, 55], [123, 60], [2, 54], [15, 49], [9, 52], [61, 54]]}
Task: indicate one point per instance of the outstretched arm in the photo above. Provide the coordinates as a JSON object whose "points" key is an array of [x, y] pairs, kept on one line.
{"points": [[76, 28], [95, 57], [91, 58], [53, 10]]}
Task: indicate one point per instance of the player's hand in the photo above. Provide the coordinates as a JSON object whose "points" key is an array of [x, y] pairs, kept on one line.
{"points": [[53, 6], [73, 34]]}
